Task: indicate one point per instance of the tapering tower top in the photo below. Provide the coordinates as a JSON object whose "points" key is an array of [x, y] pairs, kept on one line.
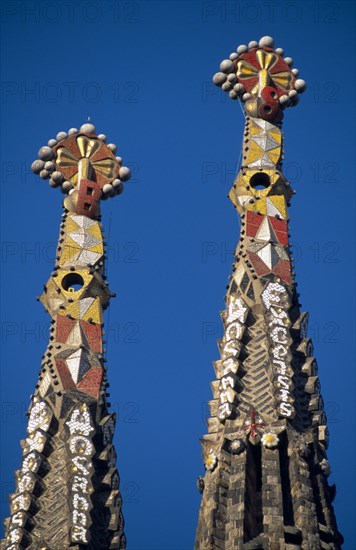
{"points": [[262, 78], [67, 488], [84, 166], [265, 484]]}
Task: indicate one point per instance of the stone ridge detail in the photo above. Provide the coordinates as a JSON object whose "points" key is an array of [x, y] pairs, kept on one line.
{"points": [[266, 480]]}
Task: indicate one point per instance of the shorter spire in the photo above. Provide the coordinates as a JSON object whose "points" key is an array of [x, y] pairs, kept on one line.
{"points": [[79, 156]]}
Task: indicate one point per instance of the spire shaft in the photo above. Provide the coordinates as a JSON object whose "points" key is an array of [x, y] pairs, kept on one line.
{"points": [[67, 493], [265, 451]]}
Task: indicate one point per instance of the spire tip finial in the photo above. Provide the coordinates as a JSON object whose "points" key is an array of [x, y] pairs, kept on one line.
{"points": [[58, 159], [262, 78]]}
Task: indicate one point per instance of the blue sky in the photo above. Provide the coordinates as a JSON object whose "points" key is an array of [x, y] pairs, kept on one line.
{"points": [[142, 71]]}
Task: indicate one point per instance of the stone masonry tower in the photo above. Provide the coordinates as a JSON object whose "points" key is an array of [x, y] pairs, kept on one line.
{"points": [[266, 481], [67, 493]]}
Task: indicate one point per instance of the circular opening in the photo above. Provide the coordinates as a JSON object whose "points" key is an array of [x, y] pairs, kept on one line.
{"points": [[267, 109], [72, 282], [260, 181], [273, 94]]}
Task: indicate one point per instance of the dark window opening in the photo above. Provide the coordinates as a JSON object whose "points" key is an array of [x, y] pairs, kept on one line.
{"points": [[326, 536], [72, 282], [90, 190], [253, 519], [260, 180], [87, 206], [292, 535], [288, 512]]}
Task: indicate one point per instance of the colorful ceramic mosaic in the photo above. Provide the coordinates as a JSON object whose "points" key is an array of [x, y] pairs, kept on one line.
{"points": [[67, 492], [265, 485]]}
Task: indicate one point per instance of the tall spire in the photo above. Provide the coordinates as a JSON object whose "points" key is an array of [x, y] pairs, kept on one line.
{"points": [[67, 493], [266, 481]]}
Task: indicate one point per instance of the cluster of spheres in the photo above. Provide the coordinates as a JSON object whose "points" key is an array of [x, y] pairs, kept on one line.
{"points": [[229, 82], [45, 165]]}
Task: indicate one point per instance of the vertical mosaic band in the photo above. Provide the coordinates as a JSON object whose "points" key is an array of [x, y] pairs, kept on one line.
{"points": [[67, 493], [266, 481]]}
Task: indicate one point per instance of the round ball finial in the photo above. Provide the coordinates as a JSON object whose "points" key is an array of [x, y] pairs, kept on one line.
{"points": [[124, 173], [219, 79], [37, 166], [300, 85], [61, 135], [45, 153], [239, 89], [284, 100], [67, 186], [112, 147], [266, 41], [242, 49], [49, 166], [108, 189], [44, 174], [227, 86], [88, 128], [57, 177], [227, 66]]}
